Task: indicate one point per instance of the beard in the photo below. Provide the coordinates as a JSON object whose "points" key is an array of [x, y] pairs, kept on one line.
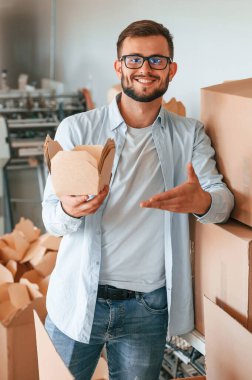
{"points": [[143, 97]]}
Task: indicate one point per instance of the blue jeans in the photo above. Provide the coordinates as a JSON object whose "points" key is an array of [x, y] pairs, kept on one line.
{"points": [[133, 331]]}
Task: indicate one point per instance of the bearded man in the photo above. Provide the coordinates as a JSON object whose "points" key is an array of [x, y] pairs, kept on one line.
{"points": [[123, 276]]}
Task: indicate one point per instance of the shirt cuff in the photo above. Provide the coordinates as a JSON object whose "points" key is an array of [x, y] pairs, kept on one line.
{"points": [[218, 209], [67, 219]]}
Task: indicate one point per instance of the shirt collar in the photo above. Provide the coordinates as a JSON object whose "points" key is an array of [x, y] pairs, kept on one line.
{"points": [[116, 118], [161, 117]]}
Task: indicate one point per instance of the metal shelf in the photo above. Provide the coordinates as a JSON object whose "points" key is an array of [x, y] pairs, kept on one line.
{"points": [[196, 340]]}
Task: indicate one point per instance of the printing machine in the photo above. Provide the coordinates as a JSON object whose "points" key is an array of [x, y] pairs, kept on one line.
{"points": [[25, 120]]}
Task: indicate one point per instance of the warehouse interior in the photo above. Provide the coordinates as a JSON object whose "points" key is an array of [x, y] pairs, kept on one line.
{"points": [[56, 60]]}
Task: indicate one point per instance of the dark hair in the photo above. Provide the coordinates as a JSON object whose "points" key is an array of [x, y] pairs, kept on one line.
{"points": [[144, 28]]}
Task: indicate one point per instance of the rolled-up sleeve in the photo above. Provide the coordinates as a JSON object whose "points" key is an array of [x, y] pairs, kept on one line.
{"points": [[210, 179], [56, 221]]}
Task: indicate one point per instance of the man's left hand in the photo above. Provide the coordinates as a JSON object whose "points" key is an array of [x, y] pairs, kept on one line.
{"points": [[189, 197]]}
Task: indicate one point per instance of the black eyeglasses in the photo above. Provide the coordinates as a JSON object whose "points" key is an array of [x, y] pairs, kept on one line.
{"points": [[157, 62]]}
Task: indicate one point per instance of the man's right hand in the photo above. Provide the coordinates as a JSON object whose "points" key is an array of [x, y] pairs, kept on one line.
{"points": [[79, 205]]}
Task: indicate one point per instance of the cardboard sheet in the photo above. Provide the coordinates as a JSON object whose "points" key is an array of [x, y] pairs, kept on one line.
{"points": [[5, 275], [46, 265], [50, 242], [228, 345], [16, 247], [26, 226], [51, 366], [34, 254]]}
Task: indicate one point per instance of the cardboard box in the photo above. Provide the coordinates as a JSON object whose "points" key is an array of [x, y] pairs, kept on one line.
{"points": [[18, 356], [51, 366], [85, 170], [25, 266], [226, 113], [223, 270], [228, 346]]}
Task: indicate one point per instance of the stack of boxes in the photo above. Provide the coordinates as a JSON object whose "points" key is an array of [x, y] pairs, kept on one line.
{"points": [[223, 253], [26, 261]]}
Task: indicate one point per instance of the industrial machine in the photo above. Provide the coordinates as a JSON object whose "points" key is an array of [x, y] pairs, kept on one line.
{"points": [[26, 119]]}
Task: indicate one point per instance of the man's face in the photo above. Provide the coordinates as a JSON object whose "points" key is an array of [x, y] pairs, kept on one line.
{"points": [[145, 84]]}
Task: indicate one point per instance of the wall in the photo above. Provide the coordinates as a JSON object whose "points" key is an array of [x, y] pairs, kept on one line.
{"points": [[25, 39], [212, 42]]}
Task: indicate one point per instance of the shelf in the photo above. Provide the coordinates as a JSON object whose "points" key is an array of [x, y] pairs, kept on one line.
{"points": [[196, 340]]}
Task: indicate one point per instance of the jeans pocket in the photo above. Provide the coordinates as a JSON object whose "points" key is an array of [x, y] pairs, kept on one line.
{"points": [[155, 302]]}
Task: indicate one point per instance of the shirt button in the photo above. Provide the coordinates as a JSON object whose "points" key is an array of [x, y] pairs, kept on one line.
{"points": [[97, 263], [98, 232]]}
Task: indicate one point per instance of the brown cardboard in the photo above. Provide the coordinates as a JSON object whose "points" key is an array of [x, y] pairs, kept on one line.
{"points": [[13, 297], [7, 313], [33, 276], [223, 270], [46, 265], [50, 242], [175, 107], [18, 360], [34, 254], [33, 289], [18, 355], [12, 267], [43, 285], [16, 246], [5, 275], [26, 226], [50, 364], [101, 371], [83, 170], [194, 378], [228, 346], [19, 295], [21, 269], [226, 113]]}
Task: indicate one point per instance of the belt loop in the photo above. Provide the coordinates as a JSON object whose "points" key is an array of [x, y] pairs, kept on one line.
{"points": [[106, 292]]}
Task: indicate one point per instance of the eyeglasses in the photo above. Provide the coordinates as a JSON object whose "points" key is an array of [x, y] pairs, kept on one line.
{"points": [[157, 62]]}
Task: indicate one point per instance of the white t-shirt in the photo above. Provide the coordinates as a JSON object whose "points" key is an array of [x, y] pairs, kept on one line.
{"points": [[133, 237]]}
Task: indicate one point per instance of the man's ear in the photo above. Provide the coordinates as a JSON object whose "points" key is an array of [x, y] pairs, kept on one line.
{"points": [[118, 68], [172, 70]]}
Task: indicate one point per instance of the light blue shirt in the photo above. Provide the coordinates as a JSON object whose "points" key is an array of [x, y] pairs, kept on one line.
{"points": [[71, 296]]}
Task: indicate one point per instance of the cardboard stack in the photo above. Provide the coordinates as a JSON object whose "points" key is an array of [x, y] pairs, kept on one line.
{"points": [[223, 253], [223, 270], [226, 114], [26, 261]]}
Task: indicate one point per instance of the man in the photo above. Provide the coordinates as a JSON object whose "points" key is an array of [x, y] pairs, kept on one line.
{"points": [[123, 269]]}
